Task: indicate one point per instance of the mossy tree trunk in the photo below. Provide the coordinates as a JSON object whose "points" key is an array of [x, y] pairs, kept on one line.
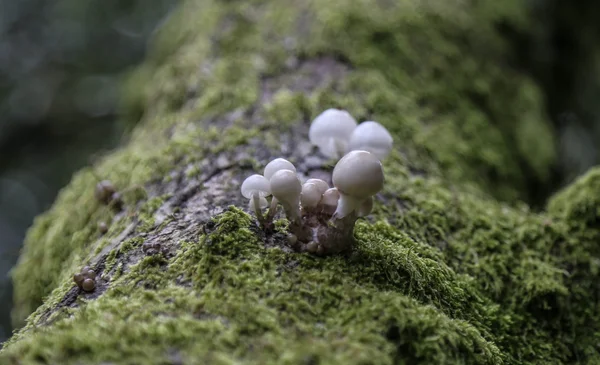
{"points": [[450, 267]]}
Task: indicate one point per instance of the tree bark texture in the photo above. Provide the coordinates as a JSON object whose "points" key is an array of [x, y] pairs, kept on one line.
{"points": [[451, 268]]}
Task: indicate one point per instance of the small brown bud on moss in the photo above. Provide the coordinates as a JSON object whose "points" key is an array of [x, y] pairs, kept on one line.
{"points": [[151, 248], [116, 201], [78, 279], [88, 285], [104, 191], [102, 227]]}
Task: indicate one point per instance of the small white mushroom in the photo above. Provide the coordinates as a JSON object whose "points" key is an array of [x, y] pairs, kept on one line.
{"points": [[286, 187], [255, 188], [365, 207], [329, 201], [372, 137], [276, 165], [357, 176], [331, 130], [321, 184], [310, 196]]}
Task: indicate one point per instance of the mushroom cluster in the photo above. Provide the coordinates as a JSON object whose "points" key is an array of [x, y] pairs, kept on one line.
{"points": [[335, 132], [85, 279], [321, 217]]}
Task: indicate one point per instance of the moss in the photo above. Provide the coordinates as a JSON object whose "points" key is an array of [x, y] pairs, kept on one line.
{"points": [[287, 108], [451, 269], [146, 213]]}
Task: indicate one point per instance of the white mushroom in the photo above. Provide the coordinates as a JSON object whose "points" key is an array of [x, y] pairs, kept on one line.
{"points": [[255, 188], [372, 137], [321, 184], [357, 176], [331, 130], [276, 165], [310, 196], [286, 187], [329, 201]]}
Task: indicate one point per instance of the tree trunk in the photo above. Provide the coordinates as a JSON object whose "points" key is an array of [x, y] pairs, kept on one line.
{"points": [[450, 267]]}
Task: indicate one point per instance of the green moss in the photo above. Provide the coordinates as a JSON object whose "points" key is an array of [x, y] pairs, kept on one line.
{"points": [[286, 108], [451, 269], [111, 260]]}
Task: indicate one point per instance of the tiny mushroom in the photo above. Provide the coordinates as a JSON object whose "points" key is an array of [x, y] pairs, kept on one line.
{"points": [[104, 191], [102, 227], [276, 165], [357, 176], [88, 285], [331, 131], [321, 184], [372, 137], [310, 196], [286, 187], [329, 201], [85, 279], [254, 188]]}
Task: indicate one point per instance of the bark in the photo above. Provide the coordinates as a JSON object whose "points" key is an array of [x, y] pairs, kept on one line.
{"points": [[450, 268]]}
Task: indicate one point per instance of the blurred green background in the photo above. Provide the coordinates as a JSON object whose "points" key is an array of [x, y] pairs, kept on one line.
{"points": [[60, 66], [61, 62]]}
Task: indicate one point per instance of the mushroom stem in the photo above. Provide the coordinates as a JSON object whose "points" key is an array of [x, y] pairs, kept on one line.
{"points": [[292, 212], [336, 148], [346, 205], [272, 210], [257, 210]]}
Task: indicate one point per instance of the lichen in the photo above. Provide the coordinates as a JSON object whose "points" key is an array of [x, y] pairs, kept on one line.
{"points": [[451, 269]]}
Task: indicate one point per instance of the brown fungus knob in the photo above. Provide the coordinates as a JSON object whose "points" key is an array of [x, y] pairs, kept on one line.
{"points": [[104, 191], [88, 285], [116, 201], [78, 279], [102, 227]]}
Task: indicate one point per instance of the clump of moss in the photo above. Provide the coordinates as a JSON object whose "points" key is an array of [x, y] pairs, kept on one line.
{"points": [[450, 270]]}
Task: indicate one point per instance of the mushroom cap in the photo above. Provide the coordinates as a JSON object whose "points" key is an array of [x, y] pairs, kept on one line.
{"points": [[331, 130], [310, 196], [358, 174], [372, 137], [255, 184], [88, 285], [286, 186], [276, 165], [321, 184], [330, 197]]}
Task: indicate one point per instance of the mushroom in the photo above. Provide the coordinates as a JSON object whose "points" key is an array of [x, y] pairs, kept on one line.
{"points": [[276, 165], [254, 188], [271, 168], [357, 176], [310, 196], [321, 184], [372, 137], [329, 201], [104, 191], [331, 131], [88, 285], [85, 279], [286, 187]]}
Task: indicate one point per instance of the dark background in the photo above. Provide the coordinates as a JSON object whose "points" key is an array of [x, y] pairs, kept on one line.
{"points": [[61, 62], [60, 66]]}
